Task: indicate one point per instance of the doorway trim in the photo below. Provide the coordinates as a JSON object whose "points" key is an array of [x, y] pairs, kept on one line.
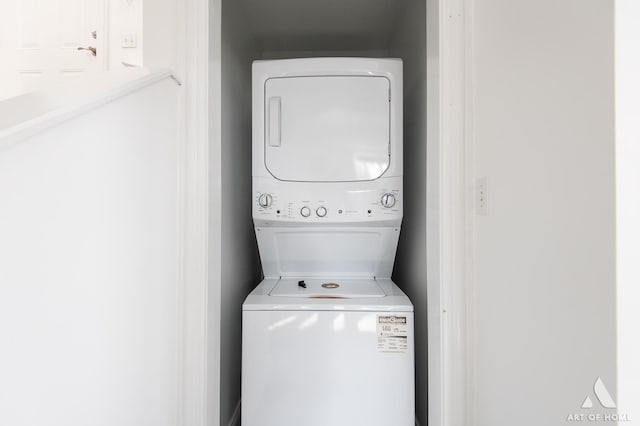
{"points": [[198, 68], [103, 33], [449, 212]]}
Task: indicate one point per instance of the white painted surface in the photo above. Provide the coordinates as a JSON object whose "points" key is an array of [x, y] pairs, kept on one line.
{"points": [[451, 166], [39, 43], [628, 205], [433, 385], [199, 387], [163, 35], [239, 269], [31, 112], [126, 37], [329, 26], [410, 272], [88, 267], [203, 125], [544, 324]]}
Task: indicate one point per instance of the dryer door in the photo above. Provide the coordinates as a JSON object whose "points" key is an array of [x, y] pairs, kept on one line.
{"points": [[327, 128]]}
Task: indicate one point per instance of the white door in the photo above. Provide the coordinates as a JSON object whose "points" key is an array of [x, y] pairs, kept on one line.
{"points": [[39, 42], [329, 128]]}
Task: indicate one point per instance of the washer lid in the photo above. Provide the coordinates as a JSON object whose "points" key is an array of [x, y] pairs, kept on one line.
{"points": [[333, 288], [327, 128]]}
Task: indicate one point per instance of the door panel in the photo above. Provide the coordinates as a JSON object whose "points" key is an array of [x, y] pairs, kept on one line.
{"points": [[329, 128], [40, 39]]}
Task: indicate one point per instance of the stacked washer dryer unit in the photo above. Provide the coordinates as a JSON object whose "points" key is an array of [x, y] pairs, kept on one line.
{"points": [[327, 336]]}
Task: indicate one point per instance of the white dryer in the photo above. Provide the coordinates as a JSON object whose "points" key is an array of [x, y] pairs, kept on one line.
{"points": [[327, 336]]}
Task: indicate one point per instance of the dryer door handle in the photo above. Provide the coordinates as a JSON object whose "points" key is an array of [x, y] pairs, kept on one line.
{"points": [[274, 121]]}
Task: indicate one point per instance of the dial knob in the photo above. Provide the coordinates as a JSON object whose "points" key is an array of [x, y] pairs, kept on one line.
{"points": [[305, 211], [388, 200], [265, 200], [321, 211]]}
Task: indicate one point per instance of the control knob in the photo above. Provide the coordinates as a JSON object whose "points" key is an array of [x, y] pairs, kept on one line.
{"points": [[305, 211], [265, 200], [388, 200], [321, 211]]}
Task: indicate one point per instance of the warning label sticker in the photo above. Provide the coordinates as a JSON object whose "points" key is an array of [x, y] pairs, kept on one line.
{"points": [[393, 334]]}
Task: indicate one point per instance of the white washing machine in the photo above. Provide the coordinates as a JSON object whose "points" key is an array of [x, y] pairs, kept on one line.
{"points": [[327, 336]]}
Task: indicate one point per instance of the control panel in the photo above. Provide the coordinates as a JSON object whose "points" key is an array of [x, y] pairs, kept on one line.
{"points": [[379, 200]]}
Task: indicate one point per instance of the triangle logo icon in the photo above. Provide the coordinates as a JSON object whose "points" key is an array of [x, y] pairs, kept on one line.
{"points": [[587, 403], [602, 394]]}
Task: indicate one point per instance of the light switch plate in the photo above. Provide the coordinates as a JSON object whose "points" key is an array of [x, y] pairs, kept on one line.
{"points": [[129, 40], [482, 196]]}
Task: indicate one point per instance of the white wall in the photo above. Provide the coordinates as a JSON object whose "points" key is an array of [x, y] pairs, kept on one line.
{"points": [[241, 270], [163, 37], [410, 270], [544, 325], [125, 19], [88, 267], [433, 196], [213, 99], [628, 204], [9, 83]]}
